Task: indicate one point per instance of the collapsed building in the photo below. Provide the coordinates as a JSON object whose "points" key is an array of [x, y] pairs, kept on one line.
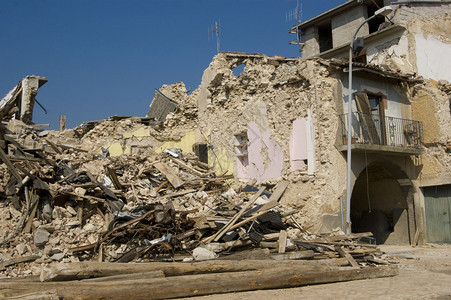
{"points": [[285, 119], [259, 129]]}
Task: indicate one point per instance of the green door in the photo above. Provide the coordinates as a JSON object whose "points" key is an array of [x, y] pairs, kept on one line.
{"points": [[437, 201]]}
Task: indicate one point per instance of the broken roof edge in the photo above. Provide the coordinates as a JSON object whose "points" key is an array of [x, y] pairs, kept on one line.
{"points": [[370, 68], [41, 80], [256, 55]]}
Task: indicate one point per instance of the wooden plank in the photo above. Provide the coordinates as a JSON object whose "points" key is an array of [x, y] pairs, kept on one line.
{"points": [[34, 205], [181, 193], [203, 284], [187, 168], [91, 269], [227, 227], [67, 147], [114, 178], [363, 106], [80, 213], [10, 166], [172, 177], [254, 254], [336, 238], [53, 146], [346, 255], [293, 255], [282, 241], [18, 260], [134, 276], [278, 191], [62, 123]]}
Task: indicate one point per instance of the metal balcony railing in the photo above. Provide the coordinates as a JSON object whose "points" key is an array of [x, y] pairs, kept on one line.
{"points": [[387, 131]]}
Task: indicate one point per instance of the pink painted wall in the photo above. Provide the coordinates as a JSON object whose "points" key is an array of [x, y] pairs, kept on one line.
{"points": [[298, 144], [255, 169]]}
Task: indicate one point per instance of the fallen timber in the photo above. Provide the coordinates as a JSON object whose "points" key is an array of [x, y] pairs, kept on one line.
{"points": [[83, 270], [193, 285]]}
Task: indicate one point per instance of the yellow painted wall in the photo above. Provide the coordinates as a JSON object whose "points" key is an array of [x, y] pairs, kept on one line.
{"points": [[185, 143], [119, 148], [140, 133], [116, 149], [218, 158]]}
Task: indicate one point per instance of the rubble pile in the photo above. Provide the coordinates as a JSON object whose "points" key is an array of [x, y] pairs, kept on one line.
{"points": [[119, 200], [66, 204]]}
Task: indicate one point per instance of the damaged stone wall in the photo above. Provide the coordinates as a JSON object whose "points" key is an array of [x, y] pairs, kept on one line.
{"points": [[431, 105], [260, 106], [420, 47]]}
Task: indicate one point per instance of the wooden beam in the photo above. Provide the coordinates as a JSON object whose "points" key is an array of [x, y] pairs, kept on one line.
{"points": [[346, 255], [172, 177], [114, 178], [278, 191], [10, 166], [18, 260], [227, 227], [90, 269], [62, 123], [197, 285], [282, 241]]}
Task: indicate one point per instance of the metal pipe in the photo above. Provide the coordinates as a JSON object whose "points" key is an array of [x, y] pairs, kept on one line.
{"points": [[348, 135], [349, 132]]}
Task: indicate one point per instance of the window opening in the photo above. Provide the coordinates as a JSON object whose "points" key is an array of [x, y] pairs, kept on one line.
{"points": [[241, 148], [325, 37], [375, 23], [238, 70], [201, 151]]}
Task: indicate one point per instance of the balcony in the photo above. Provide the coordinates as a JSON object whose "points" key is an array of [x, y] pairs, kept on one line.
{"points": [[374, 133]]}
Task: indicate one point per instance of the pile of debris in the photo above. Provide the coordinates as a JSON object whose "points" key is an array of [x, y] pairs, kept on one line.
{"points": [[63, 208]]}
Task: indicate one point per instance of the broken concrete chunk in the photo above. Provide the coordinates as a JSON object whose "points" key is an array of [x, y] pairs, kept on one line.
{"points": [[21, 248], [41, 237], [89, 227], [59, 212], [71, 210], [80, 191], [57, 256], [73, 224], [201, 253], [48, 228]]}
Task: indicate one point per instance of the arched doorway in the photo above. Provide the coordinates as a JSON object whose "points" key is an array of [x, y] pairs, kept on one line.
{"points": [[380, 204]]}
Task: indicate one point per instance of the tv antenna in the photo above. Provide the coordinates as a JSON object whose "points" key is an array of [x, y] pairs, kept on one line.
{"points": [[295, 15], [214, 30]]}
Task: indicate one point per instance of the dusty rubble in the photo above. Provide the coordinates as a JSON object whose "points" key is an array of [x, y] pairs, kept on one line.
{"points": [[67, 204]]}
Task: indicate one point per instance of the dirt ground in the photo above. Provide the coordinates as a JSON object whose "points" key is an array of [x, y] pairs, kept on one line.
{"points": [[424, 273]]}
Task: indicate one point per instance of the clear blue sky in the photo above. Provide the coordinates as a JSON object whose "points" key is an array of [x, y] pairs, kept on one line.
{"points": [[105, 58]]}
